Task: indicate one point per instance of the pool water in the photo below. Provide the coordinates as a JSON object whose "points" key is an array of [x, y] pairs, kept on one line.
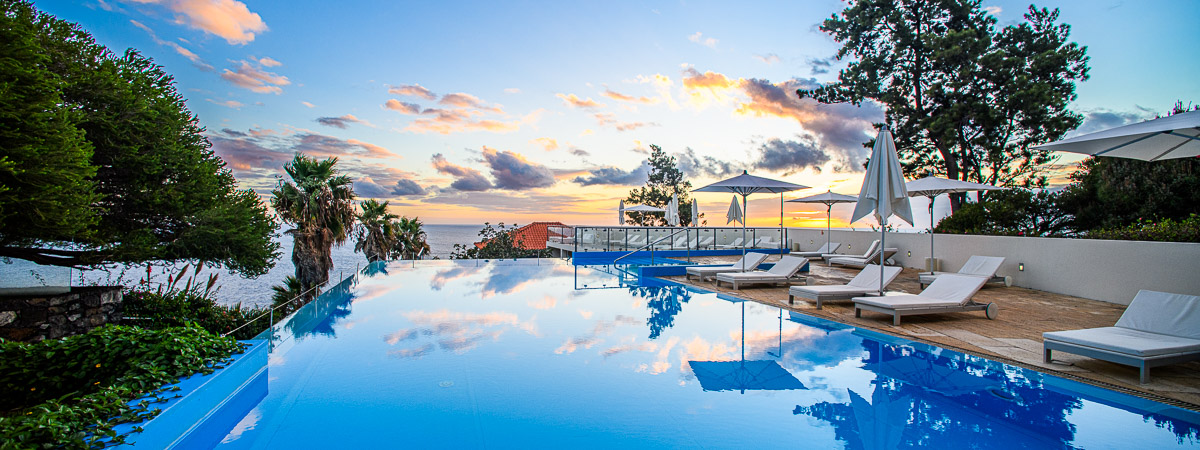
{"points": [[547, 354]]}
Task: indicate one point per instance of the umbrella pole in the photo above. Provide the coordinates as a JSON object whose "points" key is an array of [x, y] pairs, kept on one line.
{"points": [[828, 238], [781, 239], [931, 264], [744, 220]]}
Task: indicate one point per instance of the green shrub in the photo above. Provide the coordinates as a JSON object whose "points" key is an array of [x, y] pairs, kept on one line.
{"points": [[159, 310], [71, 392], [1184, 230]]}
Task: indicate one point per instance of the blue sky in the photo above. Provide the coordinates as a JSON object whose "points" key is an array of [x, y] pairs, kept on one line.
{"points": [[461, 112]]}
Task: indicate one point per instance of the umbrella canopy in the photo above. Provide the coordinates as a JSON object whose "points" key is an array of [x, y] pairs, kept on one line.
{"points": [[735, 212], [883, 191], [932, 187], [743, 375], [925, 373], [880, 423], [829, 199], [746, 184], [1176, 136], [621, 213], [644, 208]]}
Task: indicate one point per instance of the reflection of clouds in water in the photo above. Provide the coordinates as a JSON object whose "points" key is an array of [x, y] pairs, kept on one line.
{"points": [[411, 353], [699, 349], [455, 331], [440, 278], [586, 314], [246, 424], [511, 279], [366, 292], [602, 328], [547, 302], [353, 323], [643, 347]]}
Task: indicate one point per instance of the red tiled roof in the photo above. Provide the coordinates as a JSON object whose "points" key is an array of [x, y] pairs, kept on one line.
{"points": [[532, 236]]}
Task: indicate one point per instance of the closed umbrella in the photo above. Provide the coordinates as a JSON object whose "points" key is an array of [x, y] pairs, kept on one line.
{"points": [[883, 191], [931, 187], [735, 212], [828, 199], [673, 211], [746, 184], [695, 213], [621, 213], [1175, 136]]}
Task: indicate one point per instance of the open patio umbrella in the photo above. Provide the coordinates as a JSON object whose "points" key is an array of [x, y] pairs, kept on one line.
{"points": [[621, 213], [743, 375], [746, 184], [829, 199], [1176, 136], [883, 191], [931, 187]]}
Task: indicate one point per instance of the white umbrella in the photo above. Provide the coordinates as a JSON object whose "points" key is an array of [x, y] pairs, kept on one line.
{"points": [[644, 208], [746, 184], [931, 187], [621, 213], [1176, 136], [829, 199], [695, 213], [735, 212], [883, 191], [673, 211]]}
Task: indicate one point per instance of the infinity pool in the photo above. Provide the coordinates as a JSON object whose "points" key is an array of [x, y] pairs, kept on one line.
{"points": [[546, 354]]}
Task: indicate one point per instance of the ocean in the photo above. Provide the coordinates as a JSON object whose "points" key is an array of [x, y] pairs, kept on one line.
{"points": [[233, 289]]}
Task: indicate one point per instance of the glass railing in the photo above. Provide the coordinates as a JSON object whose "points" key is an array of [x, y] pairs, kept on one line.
{"points": [[623, 239]]}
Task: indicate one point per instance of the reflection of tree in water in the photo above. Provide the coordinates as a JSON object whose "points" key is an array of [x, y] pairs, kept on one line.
{"points": [[1017, 413], [664, 303], [327, 310], [1184, 431]]}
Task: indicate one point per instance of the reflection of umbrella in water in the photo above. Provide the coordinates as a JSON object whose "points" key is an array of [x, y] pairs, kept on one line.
{"points": [[742, 375], [880, 423], [921, 370]]}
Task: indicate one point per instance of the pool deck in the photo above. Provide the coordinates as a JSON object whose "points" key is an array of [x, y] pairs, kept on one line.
{"points": [[1014, 337]]}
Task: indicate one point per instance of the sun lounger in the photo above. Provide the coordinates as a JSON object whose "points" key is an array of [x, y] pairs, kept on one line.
{"points": [[855, 261], [870, 250], [737, 243], [828, 248], [748, 262], [766, 242], [980, 266], [1157, 328], [865, 282], [949, 293], [705, 243], [783, 271]]}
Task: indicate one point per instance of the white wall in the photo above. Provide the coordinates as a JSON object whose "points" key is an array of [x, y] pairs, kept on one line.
{"points": [[1111, 271]]}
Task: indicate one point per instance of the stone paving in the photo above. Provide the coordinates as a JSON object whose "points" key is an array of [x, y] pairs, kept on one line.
{"points": [[1014, 337]]}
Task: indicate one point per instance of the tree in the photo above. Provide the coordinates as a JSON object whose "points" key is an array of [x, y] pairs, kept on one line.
{"points": [[1013, 212], [376, 232], [1118, 192], [963, 100], [151, 188], [411, 237], [664, 179], [321, 207], [496, 243]]}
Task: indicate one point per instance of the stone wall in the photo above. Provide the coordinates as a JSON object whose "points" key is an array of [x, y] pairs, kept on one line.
{"points": [[36, 317]]}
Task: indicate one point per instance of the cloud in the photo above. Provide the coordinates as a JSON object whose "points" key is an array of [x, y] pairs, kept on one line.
{"points": [[693, 79], [580, 152], [407, 187], [1103, 119], [367, 189], [228, 103], [466, 179], [458, 119], [194, 58], [700, 39], [820, 65], [228, 19], [613, 176], [460, 100], [512, 91], [342, 122], [268, 62], [402, 107], [414, 90], [513, 172], [790, 156], [574, 101], [547, 144], [693, 165], [605, 119], [629, 98], [769, 58], [255, 79], [993, 10], [262, 153], [310, 105]]}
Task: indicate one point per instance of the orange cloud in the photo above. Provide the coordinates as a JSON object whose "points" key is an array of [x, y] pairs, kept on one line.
{"points": [[574, 101], [548, 144], [629, 98], [415, 90], [402, 107], [229, 19], [256, 80]]}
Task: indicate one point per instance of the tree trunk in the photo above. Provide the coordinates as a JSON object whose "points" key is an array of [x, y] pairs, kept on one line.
{"points": [[311, 253]]}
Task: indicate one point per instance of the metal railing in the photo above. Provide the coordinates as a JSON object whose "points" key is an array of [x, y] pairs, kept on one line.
{"points": [[652, 245], [626, 238]]}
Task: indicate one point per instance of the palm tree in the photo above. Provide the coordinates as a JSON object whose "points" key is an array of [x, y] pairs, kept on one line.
{"points": [[377, 237], [411, 238], [321, 206]]}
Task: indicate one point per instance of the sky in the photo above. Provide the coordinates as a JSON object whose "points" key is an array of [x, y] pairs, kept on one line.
{"points": [[466, 112]]}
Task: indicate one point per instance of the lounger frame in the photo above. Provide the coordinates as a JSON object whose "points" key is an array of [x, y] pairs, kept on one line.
{"points": [[826, 296], [989, 309], [1143, 363], [763, 280]]}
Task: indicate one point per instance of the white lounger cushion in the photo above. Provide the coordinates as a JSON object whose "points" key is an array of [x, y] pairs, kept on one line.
{"points": [[748, 262], [1127, 341], [829, 247], [1164, 313], [980, 266], [866, 281], [783, 270], [948, 290]]}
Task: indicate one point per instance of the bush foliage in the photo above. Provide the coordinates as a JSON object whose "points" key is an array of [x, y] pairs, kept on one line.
{"points": [[72, 392], [1170, 230]]}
